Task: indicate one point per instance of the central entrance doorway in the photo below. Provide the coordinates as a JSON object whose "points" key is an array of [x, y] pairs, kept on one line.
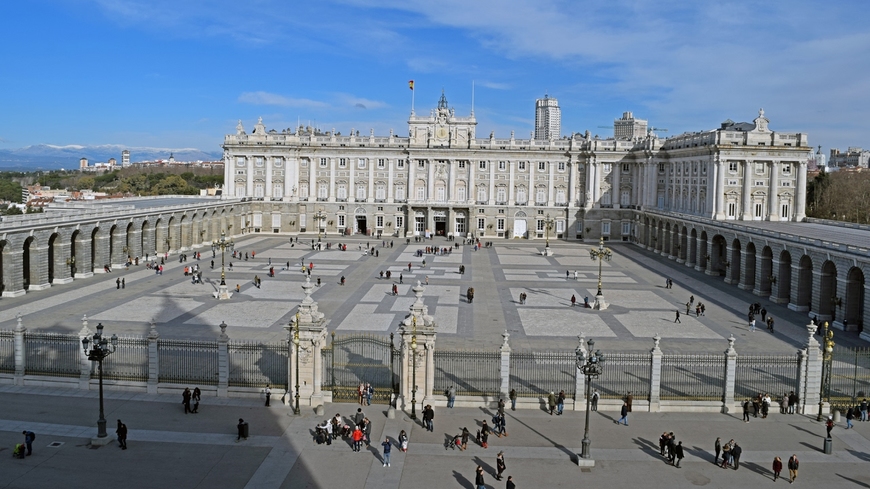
{"points": [[440, 218], [360, 216]]}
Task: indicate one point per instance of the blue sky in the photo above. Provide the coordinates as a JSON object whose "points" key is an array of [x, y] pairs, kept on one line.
{"points": [[180, 74]]}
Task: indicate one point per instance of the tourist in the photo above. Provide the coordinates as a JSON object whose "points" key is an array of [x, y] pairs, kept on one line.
{"points": [[777, 468]]}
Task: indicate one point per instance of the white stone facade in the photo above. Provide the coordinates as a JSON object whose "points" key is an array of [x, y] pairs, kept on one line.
{"points": [[443, 180]]}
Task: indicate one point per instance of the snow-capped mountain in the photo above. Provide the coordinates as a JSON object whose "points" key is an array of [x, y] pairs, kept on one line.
{"points": [[50, 156]]}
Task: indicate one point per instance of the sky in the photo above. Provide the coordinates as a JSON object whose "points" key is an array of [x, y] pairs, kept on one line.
{"points": [[176, 74]]}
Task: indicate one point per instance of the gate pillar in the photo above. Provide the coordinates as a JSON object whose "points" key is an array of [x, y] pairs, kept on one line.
{"points": [[418, 328], [307, 337]]}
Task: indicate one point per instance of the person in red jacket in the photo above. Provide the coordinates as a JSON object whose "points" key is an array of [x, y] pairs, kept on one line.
{"points": [[357, 437]]}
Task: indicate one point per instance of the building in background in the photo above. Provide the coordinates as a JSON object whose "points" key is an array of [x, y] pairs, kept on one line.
{"points": [[629, 128], [548, 118], [852, 157], [125, 158]]}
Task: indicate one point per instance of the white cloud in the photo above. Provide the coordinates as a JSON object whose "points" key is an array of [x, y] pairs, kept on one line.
{"points": [[266, 98], [359, 102], [493, 85]]}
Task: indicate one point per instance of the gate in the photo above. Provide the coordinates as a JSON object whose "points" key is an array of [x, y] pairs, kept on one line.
{"points": [[360, 358]]}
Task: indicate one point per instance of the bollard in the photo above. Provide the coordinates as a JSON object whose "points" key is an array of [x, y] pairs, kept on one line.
{"points": [[836, 415], [828, 446]]}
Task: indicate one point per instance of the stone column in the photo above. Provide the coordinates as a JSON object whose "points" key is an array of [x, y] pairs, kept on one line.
{"points": [[801, 198], [616, 194], [746, 192], [720, 191], [774, 287], [134, 238], [700, 252], [161, 233], [13, 262], [655, 377], [38, 268], [810, 375], [84, 266], [84, 362], [101, 252], [119, 242], [20, 351], [175, 236], [741, 284], [223, 362], [310, 325], [153, 359], [795, 281], [505, 366], [730, 375], [62, 271], [773, 199], [729, 270]]}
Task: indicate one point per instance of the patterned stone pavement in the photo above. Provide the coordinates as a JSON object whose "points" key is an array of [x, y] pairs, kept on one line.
{"points": [[633, 282]]}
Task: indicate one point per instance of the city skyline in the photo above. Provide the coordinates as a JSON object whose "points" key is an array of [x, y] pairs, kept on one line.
{"points": [[138, 73]]}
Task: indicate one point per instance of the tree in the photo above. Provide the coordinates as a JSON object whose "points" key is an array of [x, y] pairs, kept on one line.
{"points": [[85, 183]]}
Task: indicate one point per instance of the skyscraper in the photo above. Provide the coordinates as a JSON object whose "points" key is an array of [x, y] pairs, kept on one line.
{"points": [[548, 118]]}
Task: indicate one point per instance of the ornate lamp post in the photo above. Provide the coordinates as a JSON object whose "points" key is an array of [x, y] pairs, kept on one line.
{"points": [[590, 362], [223, 292], [548, 225], [100, 349], [601, 254], [296, 410], [71, 262], [319, 216], [827, 357], [414, 369]]}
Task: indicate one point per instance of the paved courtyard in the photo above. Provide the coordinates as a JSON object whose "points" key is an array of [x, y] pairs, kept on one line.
{"points": [[633, 282]]}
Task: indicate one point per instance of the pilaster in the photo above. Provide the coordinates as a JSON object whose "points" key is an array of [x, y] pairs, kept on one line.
{"points": [[655, 377], [223, 362], [20, 352], [119, 248], [742, 283], [310, 326], [795, 288], [134, 237], [13, 262], [101, 253], [62, 271], [505, 366], [84, 266]]}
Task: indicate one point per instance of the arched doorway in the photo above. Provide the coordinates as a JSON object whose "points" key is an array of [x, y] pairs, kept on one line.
{"points": [[765, 272], [361, 220], [828, 297], [732, 266], [25, 268], [803, 297], [73, 249], [854, 313], [51, 243], [718, 249], [520, 225]]}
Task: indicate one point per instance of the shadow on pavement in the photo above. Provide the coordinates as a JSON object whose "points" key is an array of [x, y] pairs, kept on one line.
{"points": [[486, 467], [758, 469], [462, 480], [812, 447], [856, 482]]}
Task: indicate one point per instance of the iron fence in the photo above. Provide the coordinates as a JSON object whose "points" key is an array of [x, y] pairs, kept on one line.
{"points": [[623, 373], [183, 361], [766, 374], [850, 375], [128, 362], [254, 364], [472, 373], [693, 377], [7, 352], [537, 373], [53, 354], [360, 358]]}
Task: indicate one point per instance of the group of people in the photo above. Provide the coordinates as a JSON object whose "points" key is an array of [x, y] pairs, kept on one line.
{"points": [[761, 403], [857, 412], [730, 454], [191, 399], [671, 449], [756, 309], [365, 391]]}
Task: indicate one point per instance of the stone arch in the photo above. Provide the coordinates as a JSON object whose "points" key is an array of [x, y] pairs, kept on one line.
{"points": [[52, 242], [171, 235], [783, 278], [747, 275], [854, 300], [765, 271], [804, 294], [184, 228], [683, 245], [828, 291], [692, 257], [145, 241], [73, 252], [28, 270], [718, 250], [732, 266], [133, 246]]}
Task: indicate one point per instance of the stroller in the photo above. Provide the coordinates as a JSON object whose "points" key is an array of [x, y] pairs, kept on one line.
{"points": [[453, 442], [18, 452], [321, 436]]}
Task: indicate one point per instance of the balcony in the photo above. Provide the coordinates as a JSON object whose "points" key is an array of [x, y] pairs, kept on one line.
{"points": [[500, 202]]}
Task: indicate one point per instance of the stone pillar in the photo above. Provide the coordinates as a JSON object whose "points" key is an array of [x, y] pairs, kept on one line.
{"points": [[175, 236], [84, 266], [700, 253], [746, 192], [810, 375], [134, 240], [774, 287], [773, 198], [84, 363], [580, 379], [119, 242], [420, 325], [741, 283], [62, 271], [223, 362], [148, 242], [310, 325], [101, 252], [720, 191], [13, 262], [801, 198], [795, 287], [505, 366], [38, 268], [729, 270], [20, 352], [730, 375], [153, 359], [655, 377]]}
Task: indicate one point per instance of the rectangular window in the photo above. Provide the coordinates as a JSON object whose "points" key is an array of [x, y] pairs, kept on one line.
{"points": [[482, 165], [499, 224], [605, 228], [360, 192], [540, 196], [379, 221], [560, 226], [441, 194], [560, 196], [626, 228], [322, 191], [400, 164], [400, 193], [303, 219], [258, 161], [400, 222], [421, 193], [382, 163], [341, 220], [278, 190], [502, 165], [732, 209], [732, 166], [784, 212], [542, 166], [539, 225], [661, 167], [380, 192], [323, 162], [481, 224], [607, 168], [460, 194], [361, 163], [500, 195], [786, 169], [421, 164], [342, 162], [462, 164], [759, 168], [625, 168], [481, 194], [522, 166], [561, 166], [240, 161], [759, 209]]}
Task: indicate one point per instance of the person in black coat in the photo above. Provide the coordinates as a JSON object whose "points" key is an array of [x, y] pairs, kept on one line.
{"points": [[679, 453], [735, 452], [510, 483], [478, 478]]}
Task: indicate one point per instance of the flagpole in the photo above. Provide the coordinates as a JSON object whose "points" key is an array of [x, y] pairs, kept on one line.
{"points": [[412, 101]]}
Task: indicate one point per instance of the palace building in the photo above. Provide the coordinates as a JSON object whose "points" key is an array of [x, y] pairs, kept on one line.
{"points": [[443, 179]]}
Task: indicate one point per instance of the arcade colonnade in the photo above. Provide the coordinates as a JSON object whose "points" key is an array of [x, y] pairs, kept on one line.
{"points": [[46, 251], [828, 283]]}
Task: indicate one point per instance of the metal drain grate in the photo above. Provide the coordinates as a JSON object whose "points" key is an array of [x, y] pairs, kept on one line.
{"points": [[585, 470], [55, 444]]}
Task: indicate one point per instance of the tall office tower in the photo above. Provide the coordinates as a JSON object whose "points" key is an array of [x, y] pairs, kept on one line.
{"points": [[125, 157], [628, 127], [548, 118]]}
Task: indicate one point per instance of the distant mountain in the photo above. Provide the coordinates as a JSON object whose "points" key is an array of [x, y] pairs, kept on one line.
{"points": [[52, 157]]}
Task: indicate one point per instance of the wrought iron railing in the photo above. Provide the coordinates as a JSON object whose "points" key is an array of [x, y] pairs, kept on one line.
{"points": [[128, 362], [537, 373], [693, 377], [53, 354], [356, 359], [254, 364], [472, 373], [766, 374], [7, 352], [624, 373], [188, 361], [850, 376]]}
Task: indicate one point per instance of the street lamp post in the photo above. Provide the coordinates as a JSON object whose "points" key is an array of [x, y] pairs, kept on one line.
{"points": [[601, 254], [100, 349], [223, 292], [827, 357], [590, 362], [414, 369], [296, 410], [319, 216], [71, 261]]}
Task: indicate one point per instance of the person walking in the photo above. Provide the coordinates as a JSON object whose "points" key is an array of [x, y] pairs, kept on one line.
{"points": [[403, 441], [118, 283], [573, 300], [478, 478], [123, 283], [122, 435], [429, 417], [387, 448], [241, 429], [829, 425], [624, 413], [595, 396], [850, 415], [718, 449], [29, 437], [367, 432], [451, 396], [678, 450], [197, 395], [465, 436], [268, 393], [777, 468], [510, 483], [185, 399], [513, 397], [746, 405], [499, 465], [726, 455], [677, 319], [357, 437], [560, 403], [688, 309], [793, 465], [551, 402]]}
